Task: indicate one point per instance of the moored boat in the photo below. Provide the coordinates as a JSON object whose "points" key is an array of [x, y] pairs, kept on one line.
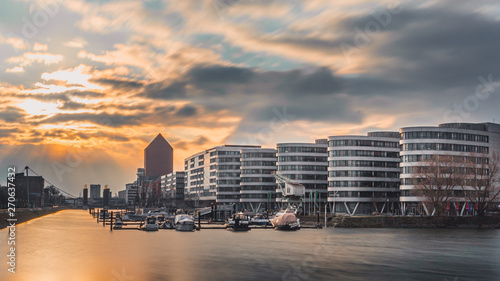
{"points": [[184, 222], [239, 222], [259, 220], [150, 224], [286, 221], [118, 224]]}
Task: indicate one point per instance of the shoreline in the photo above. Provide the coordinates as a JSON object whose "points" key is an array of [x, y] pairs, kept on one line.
{"points": [[487, 222], [26, 215]]}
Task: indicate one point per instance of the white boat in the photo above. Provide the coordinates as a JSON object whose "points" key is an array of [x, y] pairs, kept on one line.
{"points": [[150, 224], [132, 216], [259, 220], [184, 222], [118, 224], [286, 220]]}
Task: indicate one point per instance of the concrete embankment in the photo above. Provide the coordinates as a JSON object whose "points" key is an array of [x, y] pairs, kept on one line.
{"points": [[25, 215], [487, 222]]}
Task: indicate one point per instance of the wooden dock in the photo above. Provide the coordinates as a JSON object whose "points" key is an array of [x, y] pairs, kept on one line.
{"points": [[109, 217]]}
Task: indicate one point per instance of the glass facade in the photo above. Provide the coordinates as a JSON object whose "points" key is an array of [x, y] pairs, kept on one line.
{"points": [[364, 179]]}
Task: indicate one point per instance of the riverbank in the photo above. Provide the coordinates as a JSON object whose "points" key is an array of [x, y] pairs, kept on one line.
{"points": [[488, 222], [25, 215]]}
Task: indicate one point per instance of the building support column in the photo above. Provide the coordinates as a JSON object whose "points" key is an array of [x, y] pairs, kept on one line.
{"points": [[355, 208], [347, 208]]}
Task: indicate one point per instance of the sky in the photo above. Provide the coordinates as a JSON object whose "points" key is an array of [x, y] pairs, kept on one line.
{"points": [[85, 85]]}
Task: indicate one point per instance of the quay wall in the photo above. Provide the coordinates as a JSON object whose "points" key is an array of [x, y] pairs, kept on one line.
{"points": [[24, 215], [487, 222]]}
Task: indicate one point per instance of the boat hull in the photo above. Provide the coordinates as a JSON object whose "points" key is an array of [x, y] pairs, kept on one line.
{"points": [[241, 228], [287, 228], [185, 227], [150, 228]]}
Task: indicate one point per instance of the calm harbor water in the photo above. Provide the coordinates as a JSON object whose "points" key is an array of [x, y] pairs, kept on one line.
{"points": [[70, 245]]}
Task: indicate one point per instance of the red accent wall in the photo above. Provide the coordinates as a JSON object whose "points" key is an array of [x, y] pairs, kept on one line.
{"points": [[158, 157]]}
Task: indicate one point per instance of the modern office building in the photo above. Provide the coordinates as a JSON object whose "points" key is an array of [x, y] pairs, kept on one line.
{"points": [[420, 144], [306, 163], [363, 173], [158, 158], [131, 194], [213, 175], [257, 182], [95, 191], [122, 194], [173, 185]]}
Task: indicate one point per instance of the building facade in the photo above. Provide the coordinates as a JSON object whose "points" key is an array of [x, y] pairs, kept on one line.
{"points": [[29, 190], [307, 164], [131, 195], [420, 144], [158, 158], [173, 185], [122, 194], [213, 175], [363, 173], [257, 182], [95, 191]]}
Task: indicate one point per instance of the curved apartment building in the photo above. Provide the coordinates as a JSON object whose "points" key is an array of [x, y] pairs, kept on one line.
{"points": [[419, 144], [306, 163], [257, 183], [363, 173]]}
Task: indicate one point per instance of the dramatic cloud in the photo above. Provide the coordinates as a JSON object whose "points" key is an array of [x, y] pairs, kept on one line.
{"points": [[107, 76]]}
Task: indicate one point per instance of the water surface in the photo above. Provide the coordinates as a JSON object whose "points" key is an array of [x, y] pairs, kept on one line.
{"points": [[70, 245]]}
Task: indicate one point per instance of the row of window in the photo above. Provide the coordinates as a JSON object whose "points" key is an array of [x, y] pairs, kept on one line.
{"points": [[444, 135], [266, 188], [363, 153], [375, 184], [213, 153], [449, 193], [234, 197], [363, 194], [228, 182], [364, 174], [302, 149], [302, 159], [193, 183], [302, 168], [228, 174], [196, 176], [259, 179], [391, 144], [307, 177], [228, 189], [445, 147], [444, 170], [447, 182], [228, 167], [256, 171], [228, 159], [258, 155], [258, 163], [253, 196], [363, 163], [436, 158]]}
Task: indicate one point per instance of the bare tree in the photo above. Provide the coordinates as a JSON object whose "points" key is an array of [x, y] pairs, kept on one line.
{"points": [[482, 184], [437, 178]]}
